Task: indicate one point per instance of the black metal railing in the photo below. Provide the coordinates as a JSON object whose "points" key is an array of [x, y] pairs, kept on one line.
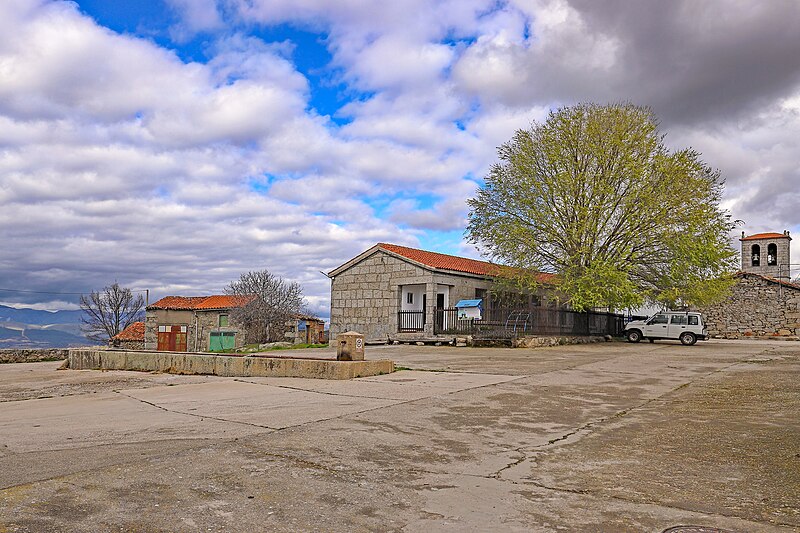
{"points": [[529, 321], [410, 321]]}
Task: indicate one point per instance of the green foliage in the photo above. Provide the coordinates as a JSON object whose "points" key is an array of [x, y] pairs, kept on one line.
{"points": [[593, 195]]}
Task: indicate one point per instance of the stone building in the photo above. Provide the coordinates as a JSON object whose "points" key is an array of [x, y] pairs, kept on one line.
{"points": [[193, 324], [305, 329], [762, 302], [130, 338], [392, 292]]}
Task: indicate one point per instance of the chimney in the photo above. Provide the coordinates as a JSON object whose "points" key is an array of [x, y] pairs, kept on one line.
{"points": [[742, 235]]}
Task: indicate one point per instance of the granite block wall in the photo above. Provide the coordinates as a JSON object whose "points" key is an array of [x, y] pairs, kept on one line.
{"points": [[755, 307]]}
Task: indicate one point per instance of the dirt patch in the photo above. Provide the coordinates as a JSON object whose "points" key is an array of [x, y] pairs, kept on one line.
{"points": [[729, 446]]}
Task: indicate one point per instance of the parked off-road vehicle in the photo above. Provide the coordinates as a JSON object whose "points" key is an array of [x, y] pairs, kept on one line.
{"points": [[687, 327]]}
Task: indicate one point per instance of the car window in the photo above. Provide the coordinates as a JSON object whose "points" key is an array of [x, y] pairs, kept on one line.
{"points": [[678, 319], [659, 319], [694, 320]]}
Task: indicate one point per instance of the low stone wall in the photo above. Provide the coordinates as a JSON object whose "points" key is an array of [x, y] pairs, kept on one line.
{"points": [[224, 365], [539, 342], [32, 355]]}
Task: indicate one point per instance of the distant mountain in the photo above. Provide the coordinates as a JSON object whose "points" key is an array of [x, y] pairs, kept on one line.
{"points": [[27, 315], [33, 328], [40, 338]]}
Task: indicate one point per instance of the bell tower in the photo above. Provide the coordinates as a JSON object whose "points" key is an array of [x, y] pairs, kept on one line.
{"points": [[766, 254]]}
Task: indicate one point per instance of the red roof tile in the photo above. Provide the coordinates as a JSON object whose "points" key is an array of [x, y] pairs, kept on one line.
{"points": [[134, 332], [452, 262], [224, 301], [217, 301], [763, 236]]}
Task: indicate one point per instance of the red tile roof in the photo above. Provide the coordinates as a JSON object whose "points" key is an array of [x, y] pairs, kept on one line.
{"points": [[452, 262], [763, 236], [134, 332], [217, 301]]}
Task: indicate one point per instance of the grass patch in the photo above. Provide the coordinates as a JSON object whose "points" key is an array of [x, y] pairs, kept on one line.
{"points": [[253, 348], [295, 347]]}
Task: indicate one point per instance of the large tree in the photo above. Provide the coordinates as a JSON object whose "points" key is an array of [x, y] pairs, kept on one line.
{"points": [[110, 310], [594, 196], [272, 302]]}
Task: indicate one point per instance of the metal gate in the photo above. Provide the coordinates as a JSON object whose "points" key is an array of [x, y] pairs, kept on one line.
{"points": [[221, 340]]}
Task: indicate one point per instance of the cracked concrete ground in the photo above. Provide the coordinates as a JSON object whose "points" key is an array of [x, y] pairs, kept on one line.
{"points": [[604, 437]]}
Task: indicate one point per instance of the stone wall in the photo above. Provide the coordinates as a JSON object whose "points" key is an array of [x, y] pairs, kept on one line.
{"points": [[128, 345], [26, 355], [198, 327], [365, 297], [756, 307], [208, 321]]}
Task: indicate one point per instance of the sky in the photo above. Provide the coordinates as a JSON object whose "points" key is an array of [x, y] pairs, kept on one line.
{"points": [[171, 145]]}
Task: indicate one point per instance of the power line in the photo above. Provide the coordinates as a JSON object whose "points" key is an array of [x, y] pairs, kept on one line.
{"points": [[55, 292]]}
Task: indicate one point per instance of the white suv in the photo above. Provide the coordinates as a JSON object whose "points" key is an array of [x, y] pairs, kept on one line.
{"points": [[685, 326]]}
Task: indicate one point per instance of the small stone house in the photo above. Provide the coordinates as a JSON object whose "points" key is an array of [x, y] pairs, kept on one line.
{"points": [[763, 302], [392, 292], [194, 324], [305, 329], [130, 338]]}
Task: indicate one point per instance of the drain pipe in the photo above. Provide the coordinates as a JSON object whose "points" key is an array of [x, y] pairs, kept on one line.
{"points": [[195, 331]]}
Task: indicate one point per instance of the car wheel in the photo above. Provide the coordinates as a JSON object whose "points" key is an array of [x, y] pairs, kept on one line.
{"points": [[634, 335], [687, 338]]}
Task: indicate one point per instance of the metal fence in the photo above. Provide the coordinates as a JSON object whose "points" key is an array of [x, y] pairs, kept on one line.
{"points": [[408, 321], [530, 321]]}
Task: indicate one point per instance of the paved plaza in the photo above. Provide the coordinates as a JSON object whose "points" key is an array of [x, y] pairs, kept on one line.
{"points": [[602, 437]]}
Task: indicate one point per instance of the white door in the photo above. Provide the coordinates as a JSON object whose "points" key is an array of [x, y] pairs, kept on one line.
{"points": [[677, 325], [658, 326]]}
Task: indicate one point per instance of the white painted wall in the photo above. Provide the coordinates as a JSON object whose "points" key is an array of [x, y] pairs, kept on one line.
{"points": [[417, 291]]}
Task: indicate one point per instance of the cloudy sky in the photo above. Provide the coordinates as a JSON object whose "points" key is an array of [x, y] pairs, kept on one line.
{"points": [[174, 144]]}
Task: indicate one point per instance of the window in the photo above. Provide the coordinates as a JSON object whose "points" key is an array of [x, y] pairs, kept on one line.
{"points": [[755, 255], [659, 319], [410, 298], [694, 320], [223, 321], [678, 319], [772, 254]]}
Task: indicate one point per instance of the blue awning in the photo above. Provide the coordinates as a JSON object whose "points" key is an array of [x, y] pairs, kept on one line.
{"points": [[469, 303]]}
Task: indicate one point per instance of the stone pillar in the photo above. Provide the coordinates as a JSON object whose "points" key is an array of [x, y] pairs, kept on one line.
{"points": [[430, 305], [350, 346], [150, 331]]}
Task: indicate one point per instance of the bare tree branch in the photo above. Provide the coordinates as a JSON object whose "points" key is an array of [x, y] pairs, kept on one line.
{"points": [[110, 310], [275, 302]]}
